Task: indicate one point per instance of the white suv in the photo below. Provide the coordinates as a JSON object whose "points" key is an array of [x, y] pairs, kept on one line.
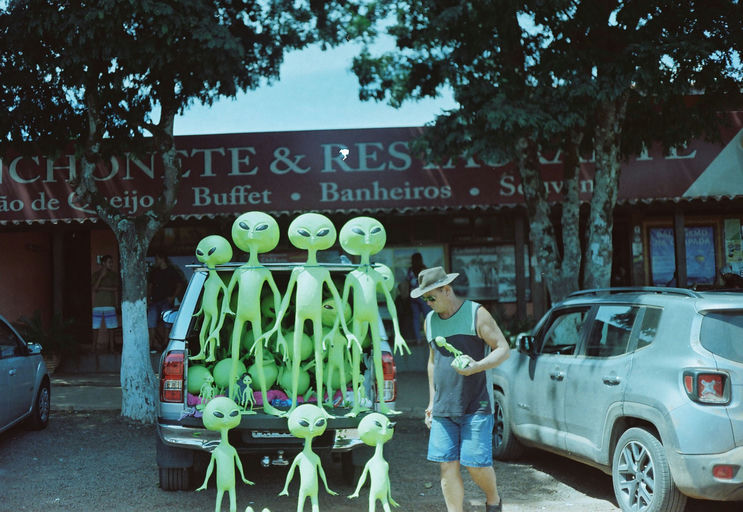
{"points": [[643, 383]]}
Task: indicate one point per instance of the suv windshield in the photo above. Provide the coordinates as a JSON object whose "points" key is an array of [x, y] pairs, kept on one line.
{"points": [[722, 334]]}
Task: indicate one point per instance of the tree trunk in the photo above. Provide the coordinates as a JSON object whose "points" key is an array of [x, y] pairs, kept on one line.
{"points": [[597, 271], [138, 383]]}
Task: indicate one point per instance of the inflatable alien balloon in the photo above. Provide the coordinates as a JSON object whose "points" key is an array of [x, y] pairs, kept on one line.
{"points": [[364, 236], [222, 414], [311, 232], [254, 233], [375, 430], [212, 250], [307, 422], [460, 362]]}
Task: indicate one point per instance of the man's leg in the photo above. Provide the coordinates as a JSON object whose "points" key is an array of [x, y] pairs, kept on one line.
{"points": [[452, 486], [485, 480]]}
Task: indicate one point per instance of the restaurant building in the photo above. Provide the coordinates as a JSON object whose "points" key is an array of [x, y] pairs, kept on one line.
{"points": [[677, 221]]}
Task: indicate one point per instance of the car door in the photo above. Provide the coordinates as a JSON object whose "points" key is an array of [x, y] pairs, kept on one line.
{"points": [[18, 370], [539, 389], [597, 378]]}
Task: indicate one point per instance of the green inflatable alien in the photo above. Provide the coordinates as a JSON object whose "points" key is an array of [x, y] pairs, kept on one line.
{"points": [[461, 362], [364, 236], [212, 250], [311, 232], [254, 233], [222, 414], [307, 422], [375, 430]]}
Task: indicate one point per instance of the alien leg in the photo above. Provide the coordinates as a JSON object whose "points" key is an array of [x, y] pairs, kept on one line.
{"points": [[233, 500], [356, 370], [315, 504], [319, 354], [296, 361], [218, 504], [267, 408], [202, 339], [235, 353]]}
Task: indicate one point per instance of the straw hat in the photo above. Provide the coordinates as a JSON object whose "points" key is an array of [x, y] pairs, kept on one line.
{"points": [[430, 279]]}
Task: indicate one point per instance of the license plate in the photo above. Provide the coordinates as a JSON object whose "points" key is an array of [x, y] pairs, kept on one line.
{"points": [[270, 435]]}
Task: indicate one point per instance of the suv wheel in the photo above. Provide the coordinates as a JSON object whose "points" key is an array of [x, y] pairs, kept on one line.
{"points": [[641, 476], [505, 445], [175, 479]]}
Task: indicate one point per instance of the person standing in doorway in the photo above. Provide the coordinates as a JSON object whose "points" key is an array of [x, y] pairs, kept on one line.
{"points": [[164, 284], [105, 302], [418, 307], [460, 405]]}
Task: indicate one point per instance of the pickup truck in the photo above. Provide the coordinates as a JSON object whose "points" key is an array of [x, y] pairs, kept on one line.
{"points": [[183, 443]]}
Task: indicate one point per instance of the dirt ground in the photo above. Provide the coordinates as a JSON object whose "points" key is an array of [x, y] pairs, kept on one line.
{"points": [[85, 462]]}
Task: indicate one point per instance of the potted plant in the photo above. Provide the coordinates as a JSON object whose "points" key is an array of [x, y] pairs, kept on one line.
{"points": [[57, 339]]}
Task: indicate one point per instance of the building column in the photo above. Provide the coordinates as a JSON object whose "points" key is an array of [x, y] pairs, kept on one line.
{"points": [[679, 247]]}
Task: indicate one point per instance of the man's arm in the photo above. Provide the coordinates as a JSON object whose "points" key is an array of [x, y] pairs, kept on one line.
{"points": [[429, 368], [488, 330]]}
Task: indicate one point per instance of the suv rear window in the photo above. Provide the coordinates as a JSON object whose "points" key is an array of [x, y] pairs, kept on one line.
{"points": [[722, 334]]}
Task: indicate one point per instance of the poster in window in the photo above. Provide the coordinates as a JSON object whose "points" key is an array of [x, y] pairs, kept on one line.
{"points": [[398, 259], [700, 256], [487, 273]]}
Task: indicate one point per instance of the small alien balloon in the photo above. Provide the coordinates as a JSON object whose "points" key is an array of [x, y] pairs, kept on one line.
{"points": [[306, 422], [254, 233], [222, 414], [312, 232], [364, 236], [461, 362], [212, 250], [245, 394], [375, 430]]}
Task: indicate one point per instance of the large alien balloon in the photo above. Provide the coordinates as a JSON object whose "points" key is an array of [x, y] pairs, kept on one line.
{"points": [[375, 430], [222, 414], [212, 250], [254, 233], [312, 232], [364, 236], [307, 422]]}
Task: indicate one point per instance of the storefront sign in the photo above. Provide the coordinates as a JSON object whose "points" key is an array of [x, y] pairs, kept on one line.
{"points": [[295, 171]]}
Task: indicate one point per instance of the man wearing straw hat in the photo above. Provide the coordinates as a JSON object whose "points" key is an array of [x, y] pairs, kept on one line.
{"points": [[464, 341]]}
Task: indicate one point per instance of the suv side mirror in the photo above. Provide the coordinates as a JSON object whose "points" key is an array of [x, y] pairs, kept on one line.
{"points": [[526, 344]]}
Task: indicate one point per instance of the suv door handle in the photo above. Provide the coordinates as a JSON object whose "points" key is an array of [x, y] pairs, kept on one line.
{"points": [[557, 374], [611, 380], [12, 372]]}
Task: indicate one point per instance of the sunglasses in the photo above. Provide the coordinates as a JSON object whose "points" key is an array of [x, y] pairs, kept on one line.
{"points": [[428, 298]]}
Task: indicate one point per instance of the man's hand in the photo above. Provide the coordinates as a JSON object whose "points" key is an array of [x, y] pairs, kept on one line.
{"points": [[429, 417], [464, 365]]}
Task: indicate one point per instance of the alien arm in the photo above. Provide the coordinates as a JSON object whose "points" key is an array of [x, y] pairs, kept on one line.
{"points": [[289, 476], [399, 340], [362, 480], [240, 468], [339, 307], [324, 481], [208, 473]]}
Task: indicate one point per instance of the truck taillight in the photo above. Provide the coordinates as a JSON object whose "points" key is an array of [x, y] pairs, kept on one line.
{"points": [[707, 387], [172, 377], [390, 382]]}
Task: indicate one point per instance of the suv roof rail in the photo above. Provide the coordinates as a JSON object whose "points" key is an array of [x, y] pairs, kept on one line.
{"points": [[644, 289]]}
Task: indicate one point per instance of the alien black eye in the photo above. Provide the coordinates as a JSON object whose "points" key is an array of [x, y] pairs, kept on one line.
{"points": [[327, 306], [218, 414], [378, 424], [376, 230], [320, 422], [304, 232], [199, 252], [211, 251], [261, 227], [323, 232], [234, 413], [358, 231], [304, 423], [244, 226]]}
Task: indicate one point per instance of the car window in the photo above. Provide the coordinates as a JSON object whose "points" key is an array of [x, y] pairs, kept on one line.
{"points": [[722, 334], [611, 329], [9, 343], [563, 333], [649, 327]]}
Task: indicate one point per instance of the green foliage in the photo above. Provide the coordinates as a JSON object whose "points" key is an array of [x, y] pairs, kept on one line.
{"points": [[56, 337]]}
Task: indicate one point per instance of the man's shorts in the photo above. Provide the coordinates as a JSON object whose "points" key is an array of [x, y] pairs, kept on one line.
{"points": [[467, 439], [106, 315]]}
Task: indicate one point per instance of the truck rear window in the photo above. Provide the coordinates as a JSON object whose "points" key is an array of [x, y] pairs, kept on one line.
{"points": [[722, 334]]}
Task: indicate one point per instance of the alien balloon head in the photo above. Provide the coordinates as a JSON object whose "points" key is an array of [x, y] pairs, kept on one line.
{"points": [[362, 236], [214, 250], [255, 232]]}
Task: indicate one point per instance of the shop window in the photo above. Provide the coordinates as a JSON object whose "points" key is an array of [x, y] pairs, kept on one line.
{"points": [[700, 255]]}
